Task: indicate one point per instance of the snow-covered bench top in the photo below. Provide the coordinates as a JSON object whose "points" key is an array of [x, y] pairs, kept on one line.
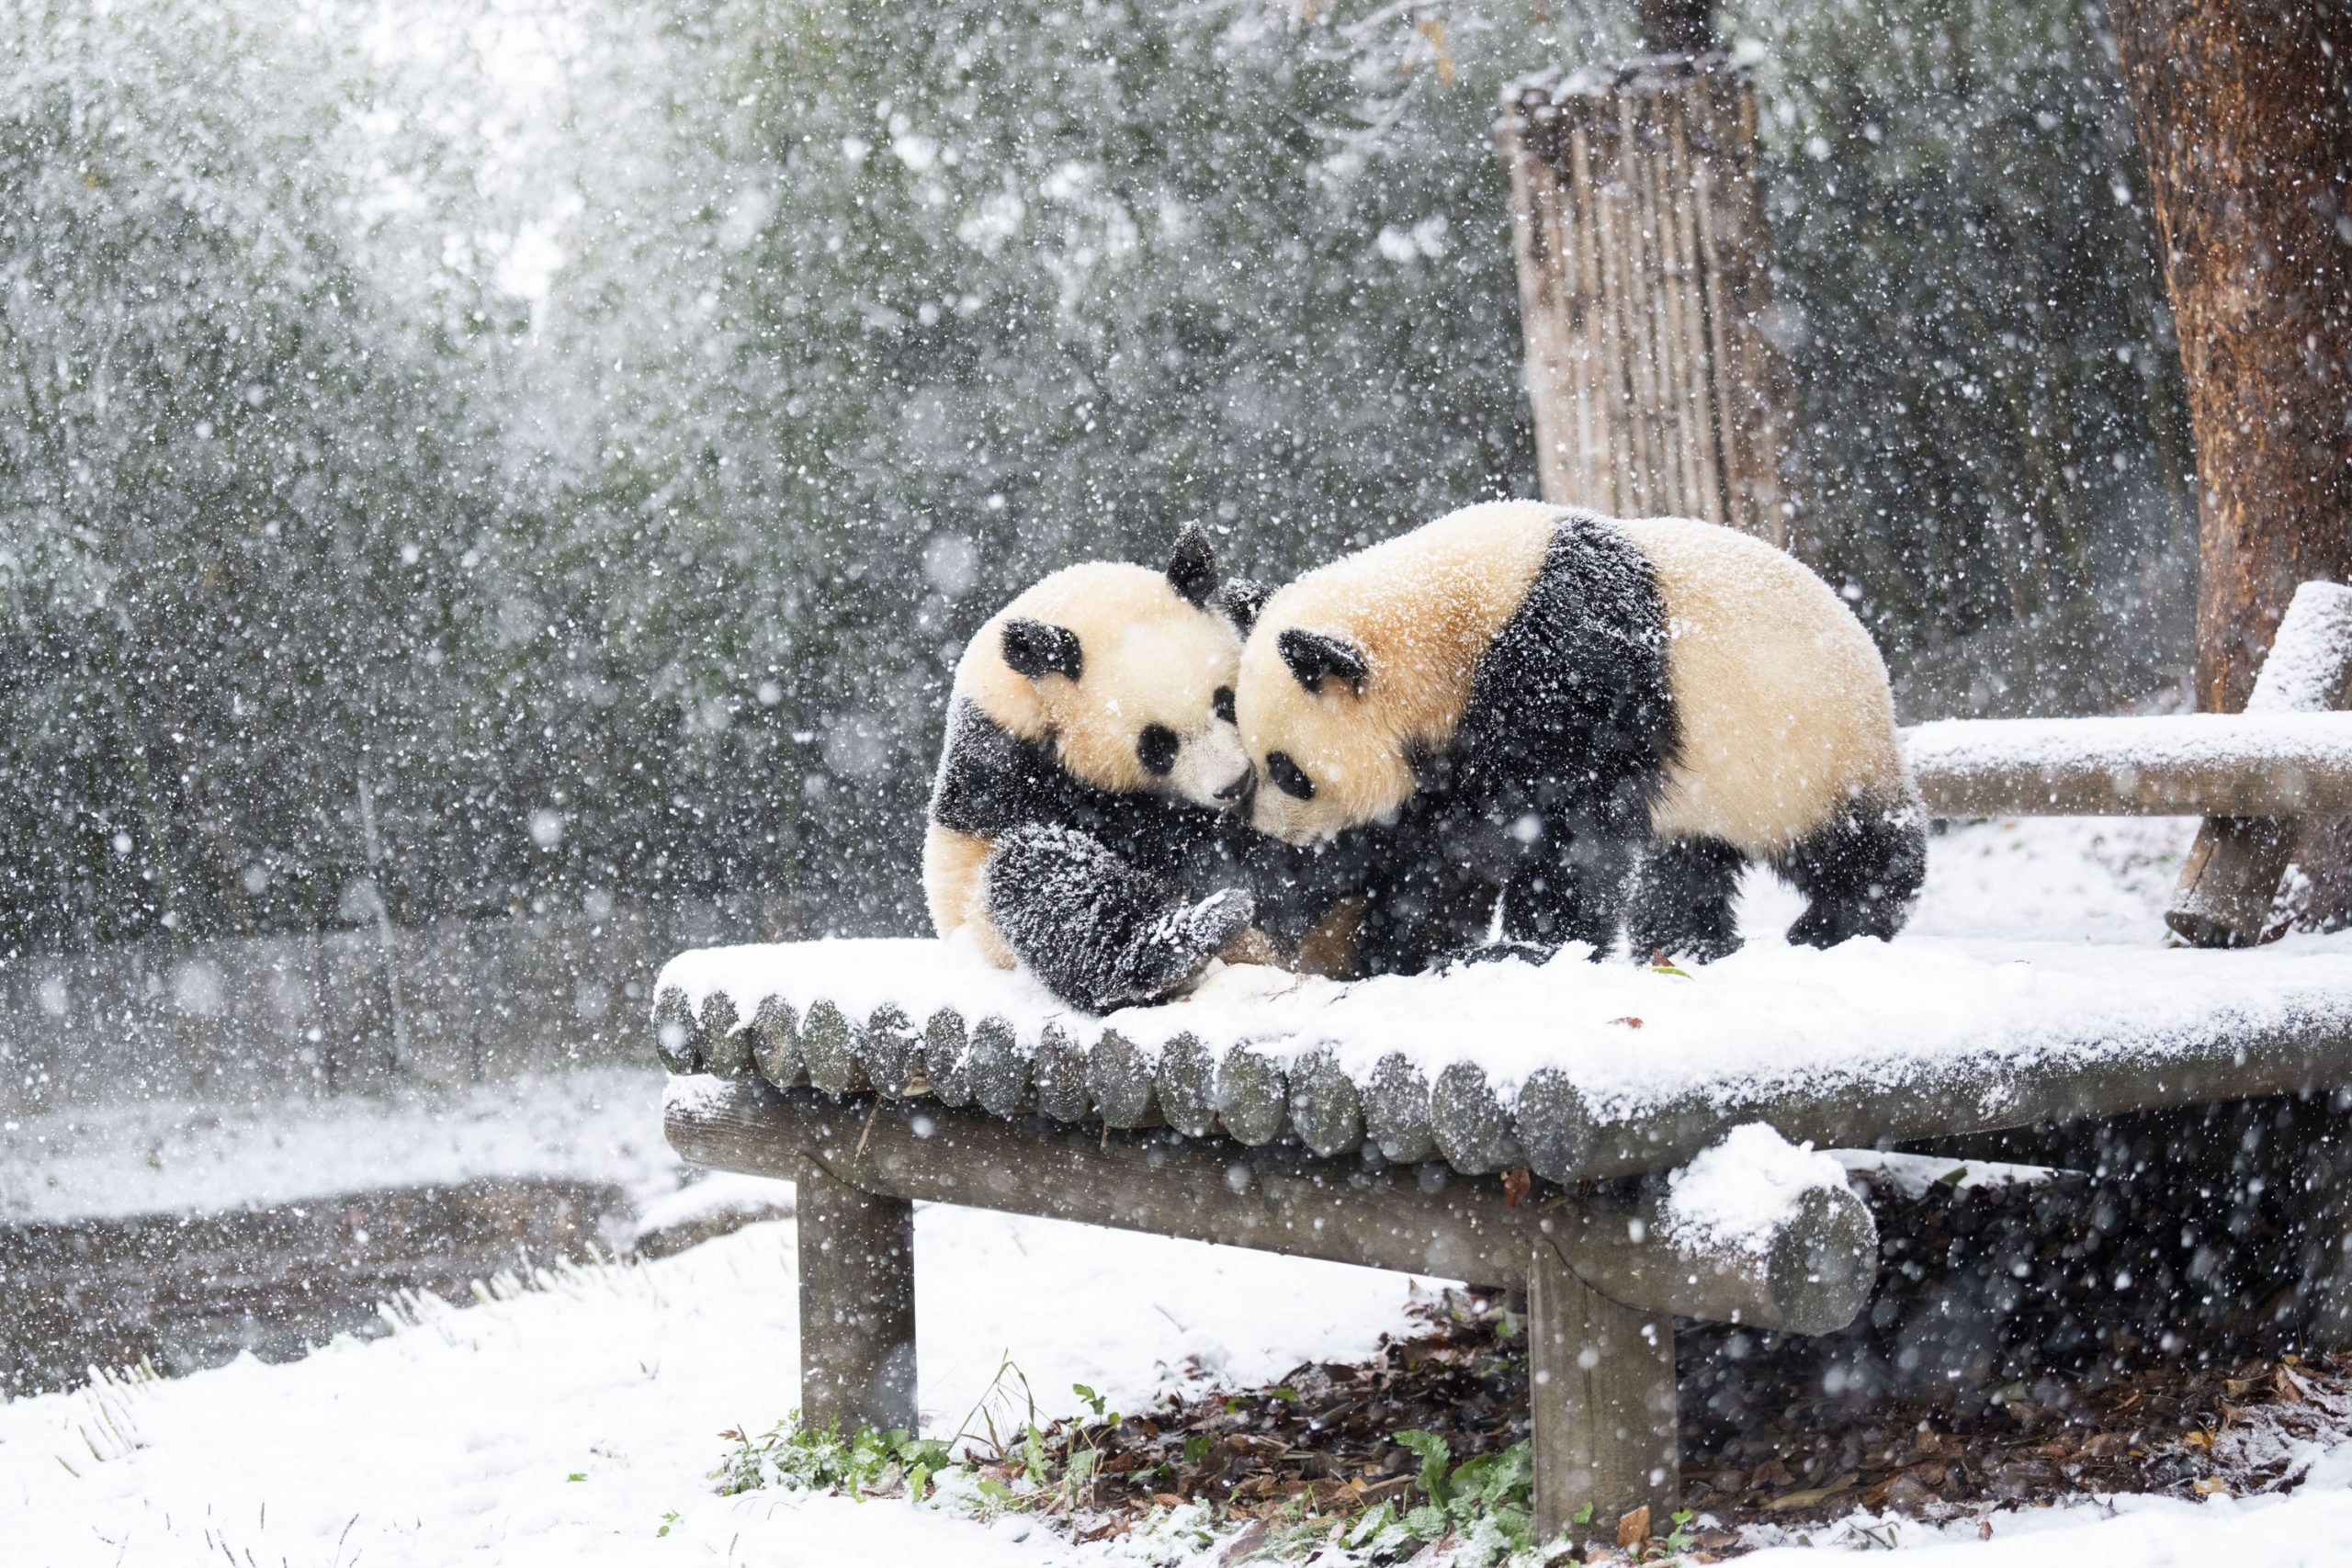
{"points": [[1576, 1068]]}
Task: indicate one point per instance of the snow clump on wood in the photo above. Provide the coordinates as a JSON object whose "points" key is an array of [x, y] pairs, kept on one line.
{"points": [[1738, 1194]]}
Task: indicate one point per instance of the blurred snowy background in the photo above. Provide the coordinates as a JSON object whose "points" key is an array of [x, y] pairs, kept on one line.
{"points": [[529, 465], [490, 493]]}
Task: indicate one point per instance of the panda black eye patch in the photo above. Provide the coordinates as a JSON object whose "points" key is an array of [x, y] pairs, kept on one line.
{"points": [[1156, 749], [1288, 777], [1221, 703]]}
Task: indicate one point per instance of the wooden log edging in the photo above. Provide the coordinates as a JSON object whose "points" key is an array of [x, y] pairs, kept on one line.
{"points": [[1546, 1125], [1811, 1275]]}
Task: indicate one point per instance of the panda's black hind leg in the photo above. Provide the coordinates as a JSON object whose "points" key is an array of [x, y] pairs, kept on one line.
{"points": [[1682, 901], [1574, 893], [1860, 873], [1099, 932]]}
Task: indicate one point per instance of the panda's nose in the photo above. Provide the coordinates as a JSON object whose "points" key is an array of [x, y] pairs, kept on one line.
{"points": [[1238, 788]]}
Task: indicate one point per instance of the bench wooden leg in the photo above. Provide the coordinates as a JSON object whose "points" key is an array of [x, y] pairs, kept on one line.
{"points": [[857, 1305], [1602, 1382]]}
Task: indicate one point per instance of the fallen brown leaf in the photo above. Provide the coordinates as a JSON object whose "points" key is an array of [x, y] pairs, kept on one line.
{"points": [[1634, 1528]]}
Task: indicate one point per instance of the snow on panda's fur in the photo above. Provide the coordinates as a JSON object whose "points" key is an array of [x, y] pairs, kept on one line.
{"points": [[1087, 779], [1526, 700]]}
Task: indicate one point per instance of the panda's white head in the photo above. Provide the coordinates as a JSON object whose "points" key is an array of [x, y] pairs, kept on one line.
{"points": [[1331, 747], [1361, 667], [1127, 672]]}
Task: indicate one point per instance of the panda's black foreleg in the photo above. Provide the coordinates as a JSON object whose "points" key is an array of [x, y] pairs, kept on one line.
{"points": [[1096, 930], [1682, 901], [1859, 872], [1573, 891]]}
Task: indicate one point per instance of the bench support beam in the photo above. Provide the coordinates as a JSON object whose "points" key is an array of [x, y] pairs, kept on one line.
{"points": [[1601, 1379], [1604, 1277], [857, 1305]]}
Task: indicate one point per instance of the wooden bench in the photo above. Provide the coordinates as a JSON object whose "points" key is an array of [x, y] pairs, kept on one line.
{"points": [[1372, 1123], [1275, 1135]]}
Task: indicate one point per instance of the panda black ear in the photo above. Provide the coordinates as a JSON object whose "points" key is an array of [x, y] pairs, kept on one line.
{"points": [[1191, 567], [1036, 650], [1241, 598], [1312, 655]]}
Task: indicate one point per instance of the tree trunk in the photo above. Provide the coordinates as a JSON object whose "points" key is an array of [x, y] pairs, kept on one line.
{"points": [[2242, 107], [2246, 110]]}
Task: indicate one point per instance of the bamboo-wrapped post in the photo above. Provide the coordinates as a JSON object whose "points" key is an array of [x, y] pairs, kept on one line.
{"points": [[1645, 292], [2231, 876]]}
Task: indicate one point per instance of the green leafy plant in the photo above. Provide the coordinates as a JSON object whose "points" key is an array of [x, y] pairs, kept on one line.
{"points": [[1488, 1500], [1677, 1539], [819, 1459]]}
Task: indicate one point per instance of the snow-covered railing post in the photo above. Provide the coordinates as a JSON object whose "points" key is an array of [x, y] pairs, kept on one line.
{"points": [[2231, 876]]}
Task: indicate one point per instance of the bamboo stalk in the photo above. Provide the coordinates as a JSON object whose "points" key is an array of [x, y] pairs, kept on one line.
{"points": [[1646, 324]]}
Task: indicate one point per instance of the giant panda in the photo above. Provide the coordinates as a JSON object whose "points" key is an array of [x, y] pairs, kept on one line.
{"points": [[1088, 786], [1526, 705]]}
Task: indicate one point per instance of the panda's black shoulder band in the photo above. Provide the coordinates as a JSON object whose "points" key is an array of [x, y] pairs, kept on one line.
{"points": [[1570, 711], [991, 781]]}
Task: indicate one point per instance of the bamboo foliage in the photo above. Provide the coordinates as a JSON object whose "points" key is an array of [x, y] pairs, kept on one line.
{"points": [[1644, 255]]}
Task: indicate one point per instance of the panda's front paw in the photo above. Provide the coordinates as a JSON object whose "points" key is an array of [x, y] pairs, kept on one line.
{"points": [[1216, 919], [1172, 951]]}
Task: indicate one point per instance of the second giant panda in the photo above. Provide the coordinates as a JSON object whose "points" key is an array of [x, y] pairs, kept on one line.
{"points": [[1086, 790], [1592, 722]]}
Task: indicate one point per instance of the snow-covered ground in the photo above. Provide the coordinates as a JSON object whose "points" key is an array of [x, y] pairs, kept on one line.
{"points": [[578, 1422], [573, 1424], [156, 1156]]}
